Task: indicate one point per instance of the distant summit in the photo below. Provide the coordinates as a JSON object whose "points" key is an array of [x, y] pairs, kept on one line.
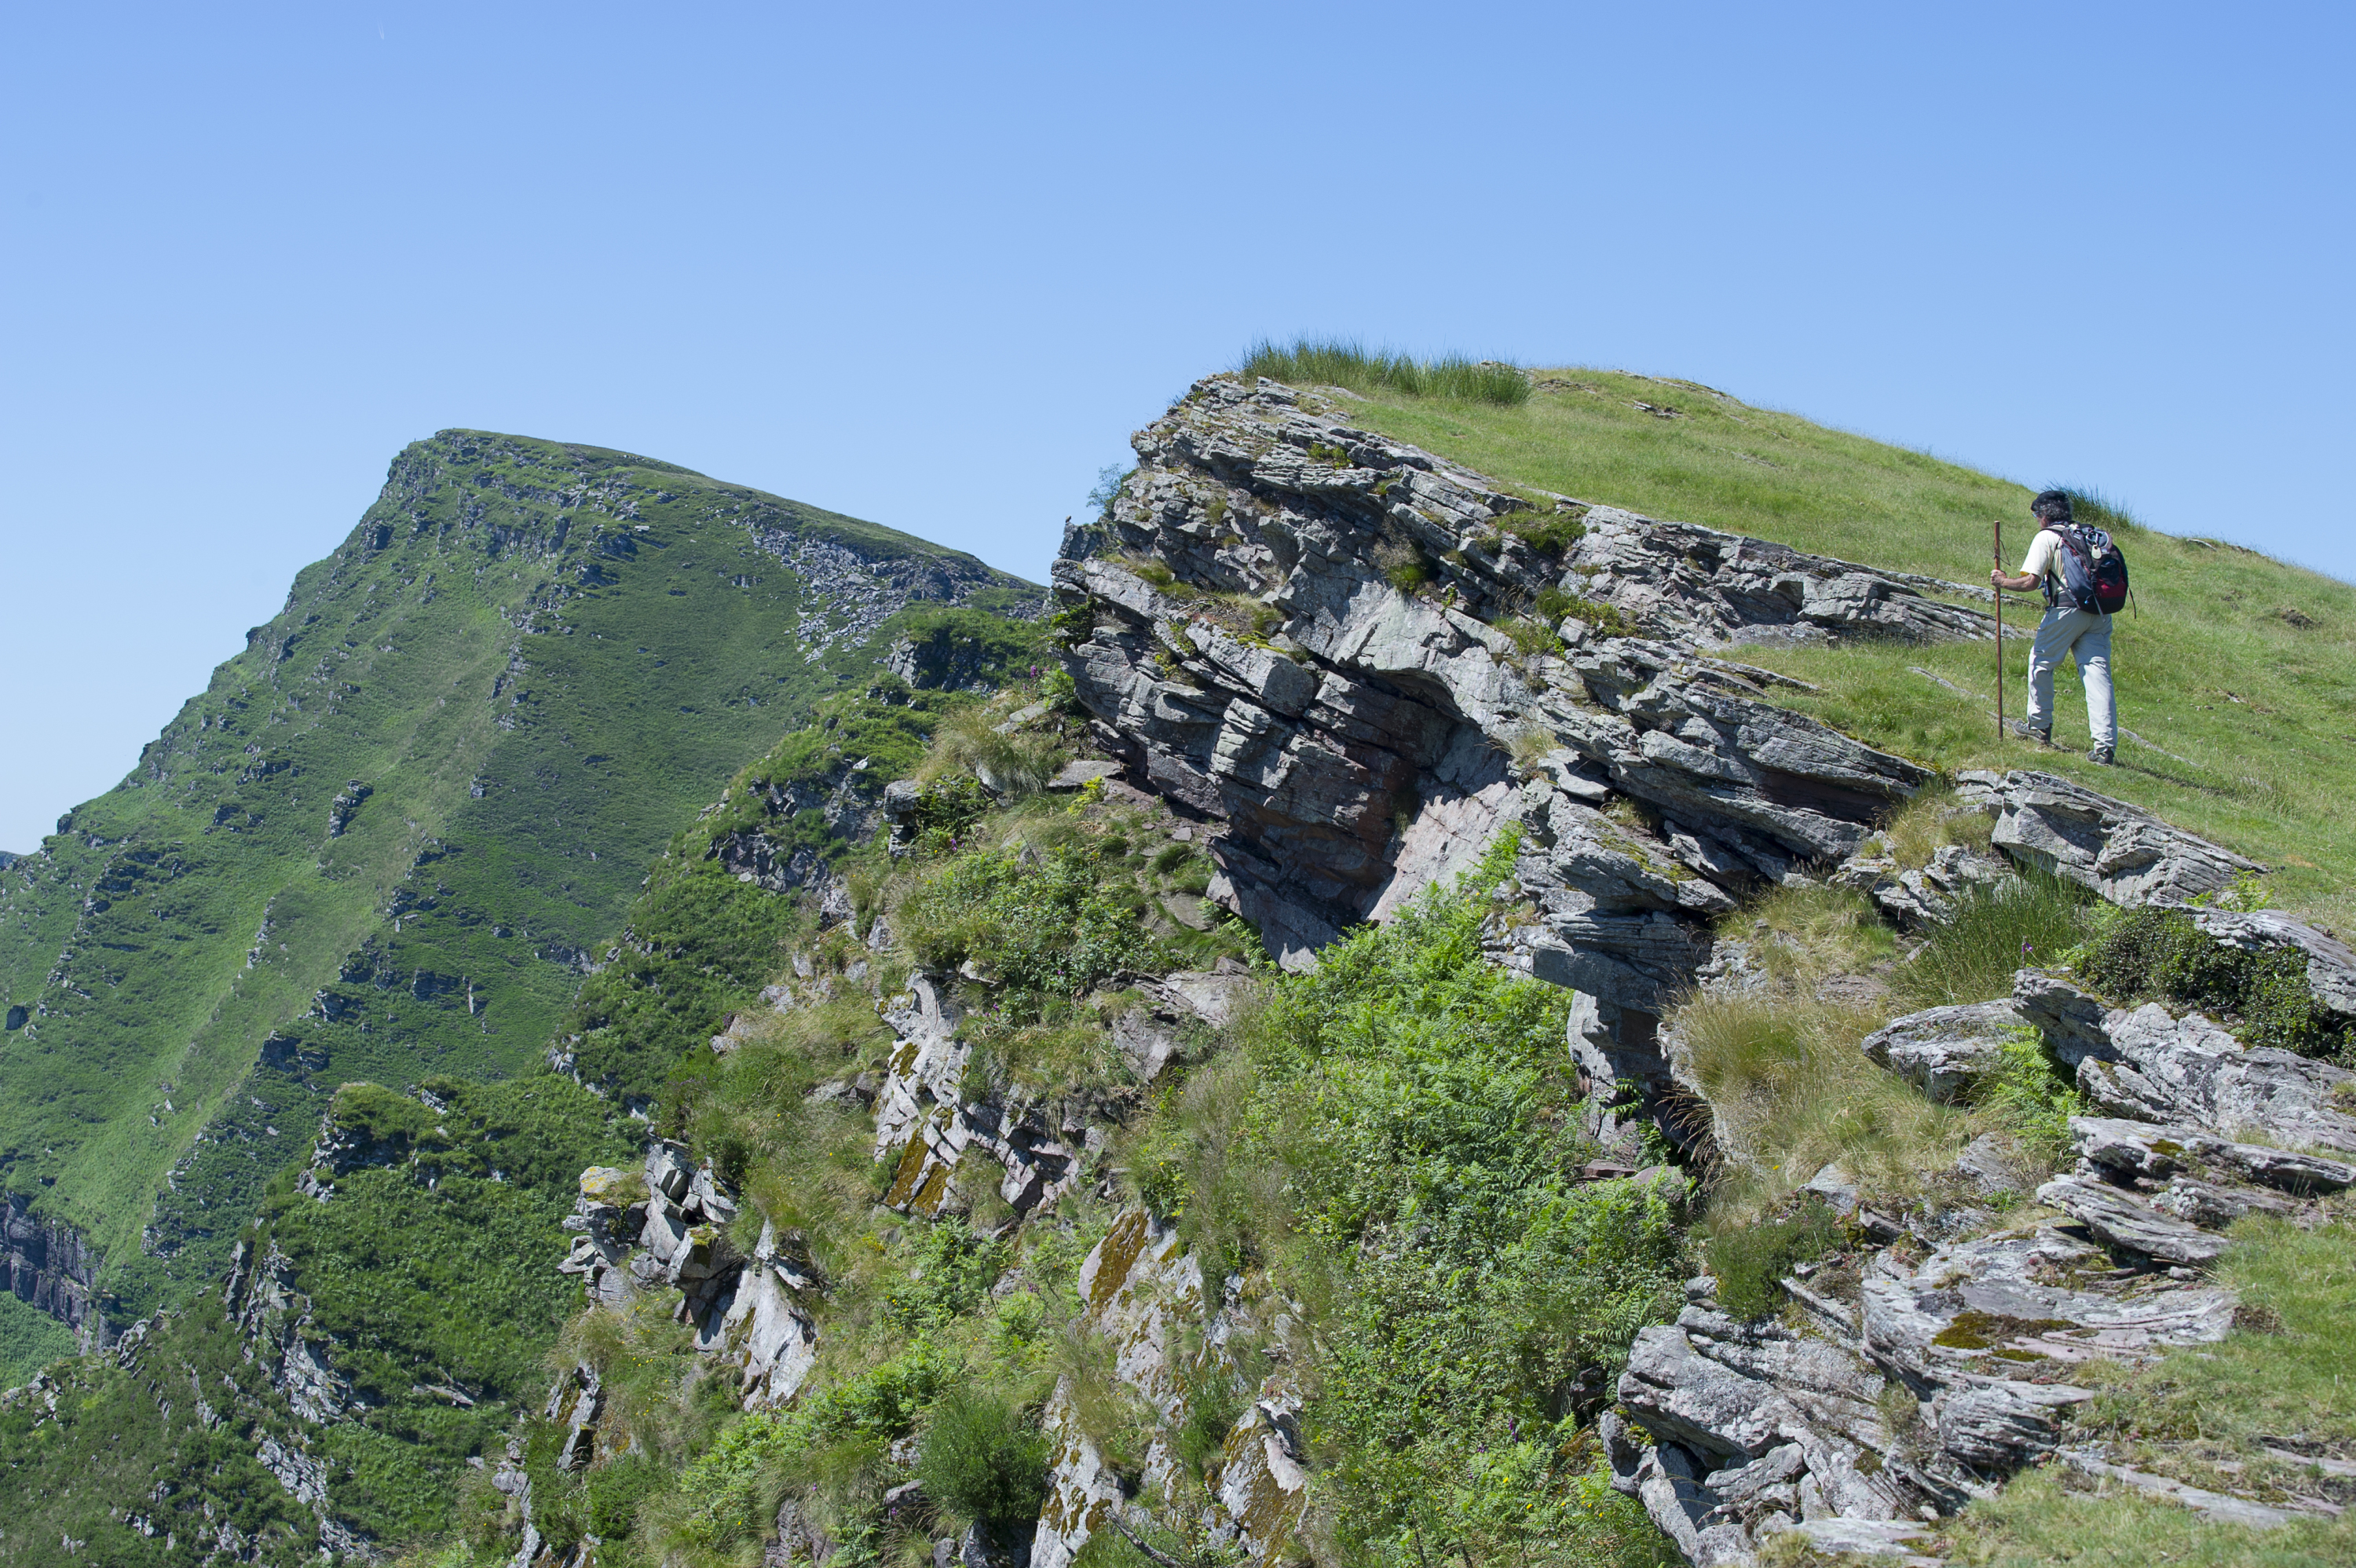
{"points": [[384, 839]]}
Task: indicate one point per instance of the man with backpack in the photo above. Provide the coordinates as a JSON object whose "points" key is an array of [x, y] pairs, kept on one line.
{"points": [[2084, 578]]}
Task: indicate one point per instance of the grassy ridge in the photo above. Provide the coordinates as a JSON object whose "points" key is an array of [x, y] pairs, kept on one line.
{"points": [[538, 660], [2237, 672]]}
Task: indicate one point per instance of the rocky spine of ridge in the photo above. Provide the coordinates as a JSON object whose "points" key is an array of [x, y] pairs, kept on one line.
{"points": [[1319, 641]]}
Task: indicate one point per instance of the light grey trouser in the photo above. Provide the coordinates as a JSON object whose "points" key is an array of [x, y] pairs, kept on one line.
{"points": [[2069, 630]]}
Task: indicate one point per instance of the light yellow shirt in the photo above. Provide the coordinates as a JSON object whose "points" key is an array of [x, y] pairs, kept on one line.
{"points": [[2038, 561]]}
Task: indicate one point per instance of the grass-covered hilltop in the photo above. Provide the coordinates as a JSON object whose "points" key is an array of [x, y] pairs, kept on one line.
{"points": [[1476, 988]]}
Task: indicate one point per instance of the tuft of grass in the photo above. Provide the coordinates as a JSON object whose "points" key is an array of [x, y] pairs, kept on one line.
{"points": [[2096, 510], [2029, 919], [1928, 824], [1017, 766], [983, 1461], [1801, 934], [1793, 1093], [1345, 362]]}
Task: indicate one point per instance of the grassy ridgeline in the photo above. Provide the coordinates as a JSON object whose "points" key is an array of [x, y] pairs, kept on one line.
{"points": [[535, 660], [2236, 672]]}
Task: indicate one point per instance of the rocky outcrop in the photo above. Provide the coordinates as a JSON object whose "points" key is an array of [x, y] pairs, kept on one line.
{"points": [[1944, 1051], [48, 1265], [1331, 650], [1140, 1290], [274, 1319], [2152, 1065], [2121, 851]]}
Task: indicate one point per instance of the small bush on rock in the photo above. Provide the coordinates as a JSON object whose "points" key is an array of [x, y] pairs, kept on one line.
{"points": [[1751, 1259], [2159, 953]]}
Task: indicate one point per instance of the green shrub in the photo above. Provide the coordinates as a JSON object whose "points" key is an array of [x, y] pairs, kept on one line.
{"points": [[983, 1460], [1342, 362], [729, 1490], [1997, 928], [1056, 926], [1530, 637], [1550, 533], [1398, 1139], [2159, 953], [615, 1491], [951, 1272], [949, 806], [1752, 1260]]}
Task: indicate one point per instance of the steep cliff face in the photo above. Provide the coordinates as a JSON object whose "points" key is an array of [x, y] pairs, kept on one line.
{"points": [[48, 1265], [1340, 640]]}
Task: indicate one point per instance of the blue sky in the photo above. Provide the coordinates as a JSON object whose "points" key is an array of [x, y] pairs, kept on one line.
{"points": [[929, 265]]}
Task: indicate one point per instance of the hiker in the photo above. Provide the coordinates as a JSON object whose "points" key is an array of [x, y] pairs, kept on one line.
{"points": [[2066, 629]]}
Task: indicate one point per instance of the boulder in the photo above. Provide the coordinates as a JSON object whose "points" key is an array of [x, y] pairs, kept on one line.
{"points": [[2189, 1069], [2121, 851], [2121, 1222], [1944, 1051]]}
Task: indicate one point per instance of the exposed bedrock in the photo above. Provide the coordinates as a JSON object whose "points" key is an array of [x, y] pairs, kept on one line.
{"points": [[1308, 633]]}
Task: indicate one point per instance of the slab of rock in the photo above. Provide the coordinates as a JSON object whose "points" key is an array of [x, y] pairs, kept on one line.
{"points": [[2121, 1222], [1080, 775], [2190, 1070], [1944, 1051], [2216, 1505], [2125, 1150], [1896, 1539], [2121, 851]]}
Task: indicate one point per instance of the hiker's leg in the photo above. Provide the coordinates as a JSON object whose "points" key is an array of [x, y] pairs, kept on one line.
{"points": [[2053, 642], [2094, 650]]}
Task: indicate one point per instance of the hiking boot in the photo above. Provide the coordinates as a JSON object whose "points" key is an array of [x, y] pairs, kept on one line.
{"points": [[2101, 757], [2042, 738]]}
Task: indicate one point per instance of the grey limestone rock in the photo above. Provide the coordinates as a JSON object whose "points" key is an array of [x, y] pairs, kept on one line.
{"points": [[1943, 1050], [2123, 1222], [2189, 1069], [2125, 1150], [2121, 851]]}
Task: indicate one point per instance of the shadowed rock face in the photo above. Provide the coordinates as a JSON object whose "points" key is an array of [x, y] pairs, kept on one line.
{"points": [[1309, 633]]}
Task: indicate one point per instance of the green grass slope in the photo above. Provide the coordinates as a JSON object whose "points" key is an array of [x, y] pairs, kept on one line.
{"points": [[533, 660], [2237, 672]]}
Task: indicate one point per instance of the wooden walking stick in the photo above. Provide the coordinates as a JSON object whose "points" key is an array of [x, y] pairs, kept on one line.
{"points": [[2000, 634]]}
